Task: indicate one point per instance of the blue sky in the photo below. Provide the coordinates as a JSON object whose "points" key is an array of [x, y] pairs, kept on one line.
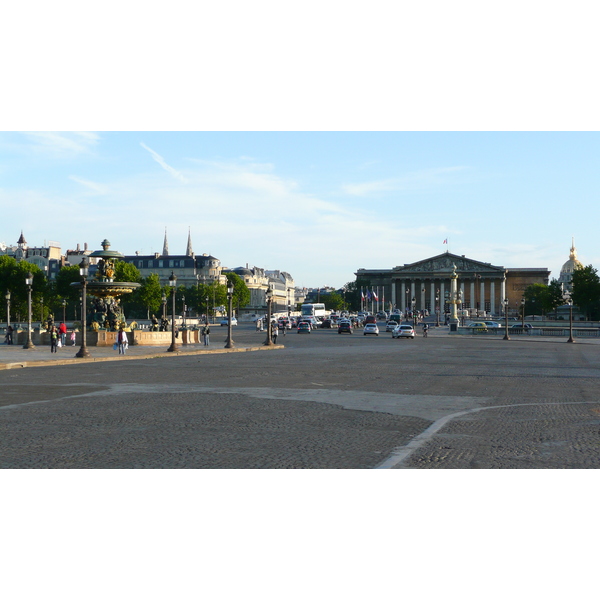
{"points": [[316, 204]]}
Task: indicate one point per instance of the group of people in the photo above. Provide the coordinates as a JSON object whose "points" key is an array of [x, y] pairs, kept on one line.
{"points": [[58, 336]]}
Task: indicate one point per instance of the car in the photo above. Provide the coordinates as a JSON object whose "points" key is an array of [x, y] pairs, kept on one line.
{"points": [[303, 327], [521, 326], [344, 327], [407, 331], [225, 321], [370, 319], [371, 329], [391, 325], [325, 324], [478, 326], [492, 324]]}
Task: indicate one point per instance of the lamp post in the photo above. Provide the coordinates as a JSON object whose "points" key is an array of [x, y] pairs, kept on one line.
{"points": [[407, 303], [173, 283], [83, 271], [269, 296], [523, 313], [206, 318], [570, 303], [413, 305], [229, 342], [437, 306], [164, 306], [64, 305], [505, 303], [7, 296], [29, 282], [477, 279]]}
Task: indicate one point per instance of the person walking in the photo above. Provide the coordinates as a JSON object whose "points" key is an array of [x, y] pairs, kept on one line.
{"points": [[53, 338], [206, 334], [122, 341], [274, 332], [9, 335], [62, 331], [425, 329], [73, 337]]}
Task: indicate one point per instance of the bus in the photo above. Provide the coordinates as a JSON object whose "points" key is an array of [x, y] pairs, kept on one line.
{"points": [[313, 310]]}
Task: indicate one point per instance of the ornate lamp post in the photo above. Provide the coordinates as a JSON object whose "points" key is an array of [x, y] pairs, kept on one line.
{"points": [[173, 282], [523, 313], [570, 303], [229, 342], [7, 296], [83, 271], [269, 295], [64, 305], [407, 304], [164, 306], [437, 306], [505, 304], [413, 305], [29, 282], [206, 300]]}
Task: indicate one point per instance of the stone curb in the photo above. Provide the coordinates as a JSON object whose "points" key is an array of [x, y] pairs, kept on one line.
{"points": [[164, 354]]}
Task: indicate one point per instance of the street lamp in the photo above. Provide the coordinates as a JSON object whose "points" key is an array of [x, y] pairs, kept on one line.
{"points": [[229, 342], [206, 317], [413, 305], [7, 296], [29, 282], [523, 313], [269, 296], [505, 304], [64, 305], [477, 279], [83, 271], [173, 283], [407, 304], [437, 306], [570, 303], [164, 306]]}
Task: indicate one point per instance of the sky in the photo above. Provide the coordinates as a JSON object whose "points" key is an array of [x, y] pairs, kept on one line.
{"points": [[316, 204]]}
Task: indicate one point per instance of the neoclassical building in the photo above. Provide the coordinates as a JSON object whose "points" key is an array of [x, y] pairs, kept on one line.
{"points": [[482, 285], [566, 273]]}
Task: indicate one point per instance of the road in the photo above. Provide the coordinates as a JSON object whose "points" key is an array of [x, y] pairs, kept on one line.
{"points": [[324, 401]]}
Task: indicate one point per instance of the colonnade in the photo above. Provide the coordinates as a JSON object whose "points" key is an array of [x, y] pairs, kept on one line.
{"points": [[476, 291]]}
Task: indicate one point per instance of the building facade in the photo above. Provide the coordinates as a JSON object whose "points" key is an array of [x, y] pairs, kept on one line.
{"points": [[427, 284]]}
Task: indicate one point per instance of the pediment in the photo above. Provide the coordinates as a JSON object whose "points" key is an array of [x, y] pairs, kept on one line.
{"points": [[446, 262]]}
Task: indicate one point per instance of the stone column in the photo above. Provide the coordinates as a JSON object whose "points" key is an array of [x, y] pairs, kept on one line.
{"points": [[493, 297], [432, 297], [403, 296], [442, 297], [482, 294], [472, 302], [393, 294], [422, 288]]}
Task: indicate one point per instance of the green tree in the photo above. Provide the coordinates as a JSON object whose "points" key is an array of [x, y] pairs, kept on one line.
{"points": [[241, 293], [12, 277], [353, 289], [150, 294], [586, 291], [125, 271], [333, 301]]}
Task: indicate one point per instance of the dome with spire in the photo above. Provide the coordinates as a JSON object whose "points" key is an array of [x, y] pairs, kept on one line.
{"points": [[566, 273]]}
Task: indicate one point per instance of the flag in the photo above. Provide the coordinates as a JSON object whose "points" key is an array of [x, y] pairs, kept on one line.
{"points": [[362, 295], [368, 295], [446, 241], [375, 296]]}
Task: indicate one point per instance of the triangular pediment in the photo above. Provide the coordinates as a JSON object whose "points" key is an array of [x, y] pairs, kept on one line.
{"points": [[446, 262]]}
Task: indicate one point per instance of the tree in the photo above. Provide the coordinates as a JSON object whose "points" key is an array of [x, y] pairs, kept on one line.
{"points": [[12, 277], [241, 293], [125, 271], [353, 289], [150, 293], [333, 301], [586, 291]]}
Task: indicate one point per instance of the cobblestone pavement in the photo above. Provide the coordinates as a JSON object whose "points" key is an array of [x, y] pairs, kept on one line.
{"points": [[324, 401]]}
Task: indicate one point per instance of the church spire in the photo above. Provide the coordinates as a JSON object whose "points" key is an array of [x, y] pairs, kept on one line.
{"points": [[573, 253], [165, 245], [189, 251]]}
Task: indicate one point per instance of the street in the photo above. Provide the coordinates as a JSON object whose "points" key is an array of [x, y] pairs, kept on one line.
{"points": [[326, 400]]}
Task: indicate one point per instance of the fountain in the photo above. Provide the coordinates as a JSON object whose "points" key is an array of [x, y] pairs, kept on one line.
{"points": [[106, 316]]}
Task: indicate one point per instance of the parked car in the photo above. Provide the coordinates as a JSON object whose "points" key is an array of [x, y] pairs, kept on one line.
{"points": [[391, 325], [225, 322], [303, 327], [344, 327], [371, 329], [406, 331]]}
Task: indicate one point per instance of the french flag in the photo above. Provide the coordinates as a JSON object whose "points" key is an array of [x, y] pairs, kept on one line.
{"points": [[375, 297]]}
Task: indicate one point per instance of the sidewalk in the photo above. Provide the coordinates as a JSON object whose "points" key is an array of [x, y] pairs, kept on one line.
{"points": [[15, 357]]}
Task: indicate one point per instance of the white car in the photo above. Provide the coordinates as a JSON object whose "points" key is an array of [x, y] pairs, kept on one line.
{"points": [[225, 322], [406, 331], [391, 325], [492, 324], [371, 328]]}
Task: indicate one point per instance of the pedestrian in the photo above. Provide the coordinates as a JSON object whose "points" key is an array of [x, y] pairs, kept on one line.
{"points": [[425, 329], [206, 334], [62, 331], [258, 325], [9, 334], [73, 336], [122, 340], [53, 338], [274, 332]]}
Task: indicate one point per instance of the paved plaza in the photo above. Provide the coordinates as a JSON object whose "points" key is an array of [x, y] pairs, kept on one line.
{"points": [[319, 400]]}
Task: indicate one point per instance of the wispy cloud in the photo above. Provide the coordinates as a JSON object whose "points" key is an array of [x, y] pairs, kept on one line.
{"points": [[418, 179], [92, 185], [161, 161], [60, 143]]}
